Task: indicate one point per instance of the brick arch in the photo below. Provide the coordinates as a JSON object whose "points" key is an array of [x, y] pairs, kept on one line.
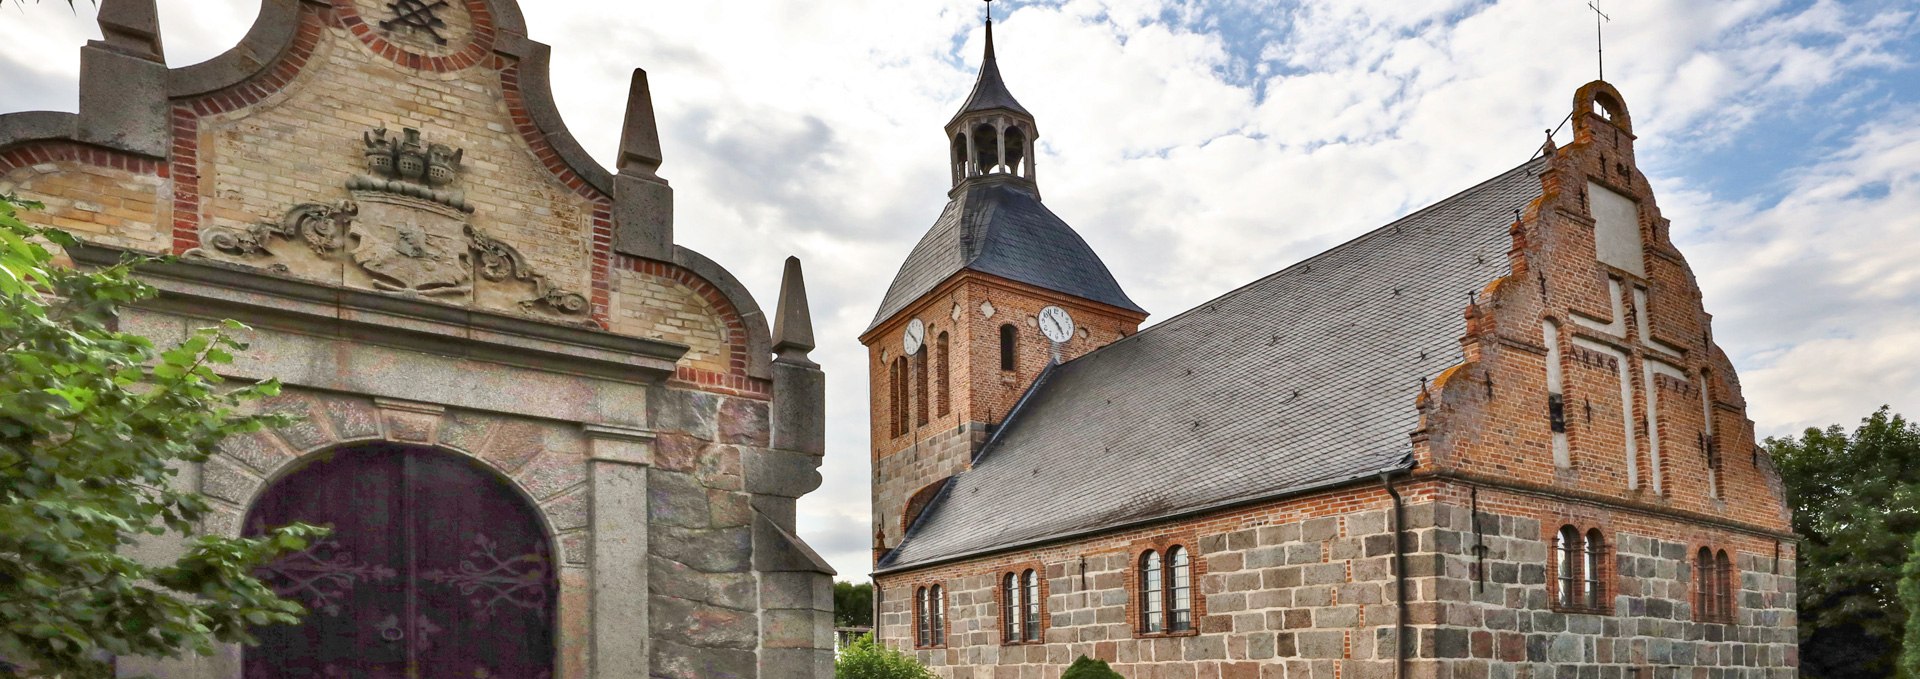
{"points": [[475, 51]]}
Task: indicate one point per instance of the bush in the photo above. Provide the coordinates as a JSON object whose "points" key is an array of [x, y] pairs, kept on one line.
{"points": [[869, 659], [1088, 668]]}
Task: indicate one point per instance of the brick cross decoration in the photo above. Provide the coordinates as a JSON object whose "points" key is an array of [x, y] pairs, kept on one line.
{"points": [[1642, 362], [417, 16]]}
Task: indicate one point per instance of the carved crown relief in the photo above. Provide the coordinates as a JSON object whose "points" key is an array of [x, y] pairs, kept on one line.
{"points": [[405, 230]]}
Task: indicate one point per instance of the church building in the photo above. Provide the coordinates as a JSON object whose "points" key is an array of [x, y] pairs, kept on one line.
{"points": [[1493, 438], [549, 441]]}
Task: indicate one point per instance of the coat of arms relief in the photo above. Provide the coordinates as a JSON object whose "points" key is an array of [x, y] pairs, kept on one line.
{"points": [[405, 230]]}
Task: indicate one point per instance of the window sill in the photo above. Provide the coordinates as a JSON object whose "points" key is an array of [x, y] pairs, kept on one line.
{"points": [[1022, 643], [1583, 610], [1160, 635]]}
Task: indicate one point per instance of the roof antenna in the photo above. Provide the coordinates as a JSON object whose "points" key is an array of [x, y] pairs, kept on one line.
{"points": [[1599, 38]]}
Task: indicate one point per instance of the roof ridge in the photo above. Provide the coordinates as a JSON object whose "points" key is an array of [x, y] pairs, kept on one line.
{"points": [[1255, 283]]}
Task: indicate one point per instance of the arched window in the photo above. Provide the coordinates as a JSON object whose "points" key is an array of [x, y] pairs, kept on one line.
{"points": [[1180, 613], [1010, 609], [1723, 578], [1592, 589], [1151, 601], [1016, 142], [986, 149], [920, 387], [1704, 601], [1030, 595], [960, 169], [1566, 551], [923, 626], [899, 396], [936, 616], [1007, 337], [896, 405], [943, 396]]}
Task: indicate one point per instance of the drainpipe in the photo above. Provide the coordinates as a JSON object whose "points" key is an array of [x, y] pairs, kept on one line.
{"points": [[1399, 580]]}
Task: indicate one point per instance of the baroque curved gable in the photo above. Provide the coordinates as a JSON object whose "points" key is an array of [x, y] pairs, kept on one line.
{"points": [[407, 148]]}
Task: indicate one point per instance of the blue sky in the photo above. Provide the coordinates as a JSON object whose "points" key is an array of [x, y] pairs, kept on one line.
{"points": [[1200, 144]]}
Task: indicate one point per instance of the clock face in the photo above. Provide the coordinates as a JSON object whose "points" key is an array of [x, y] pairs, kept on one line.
{"points": [[915, 336], [1056, 324]]}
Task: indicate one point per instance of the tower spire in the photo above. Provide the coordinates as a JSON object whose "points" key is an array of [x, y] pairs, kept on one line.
{"points": [[989, 34], [992, 135]]}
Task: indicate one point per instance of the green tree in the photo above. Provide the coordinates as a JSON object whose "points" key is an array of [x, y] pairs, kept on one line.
{"points": [[1088, 668], [1856, 505], [1910, 596], [94, 426], [869, 659], [852, 604]]}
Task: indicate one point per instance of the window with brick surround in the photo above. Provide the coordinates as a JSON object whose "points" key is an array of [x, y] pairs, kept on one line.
{"points": [[1180, 608], [1010, 609], [930, 613], [1152, 601], [1030, 597], [1008, 336], [1166, 591], [943, 396], [1593, 589], [1566, 546], [1580, 572], [1713, 586]]}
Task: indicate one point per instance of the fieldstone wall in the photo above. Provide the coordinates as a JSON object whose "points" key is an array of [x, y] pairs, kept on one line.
{"points": [[1306, 589], [1495, 617], [1293, 589], [723, 603]]}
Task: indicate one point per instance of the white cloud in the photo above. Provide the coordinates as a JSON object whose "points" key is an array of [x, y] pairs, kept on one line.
{"points": [[1198, 145]]}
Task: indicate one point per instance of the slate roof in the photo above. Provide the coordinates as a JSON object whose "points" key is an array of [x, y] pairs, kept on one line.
{"points": [[989, 90], [1305, 378], [1001, 228]]}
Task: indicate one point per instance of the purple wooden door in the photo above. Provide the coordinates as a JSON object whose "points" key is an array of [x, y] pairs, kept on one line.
{"points": [[435, 568]]}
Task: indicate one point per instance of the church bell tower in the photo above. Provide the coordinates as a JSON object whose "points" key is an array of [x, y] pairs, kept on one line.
{"points": [[997, 292]]}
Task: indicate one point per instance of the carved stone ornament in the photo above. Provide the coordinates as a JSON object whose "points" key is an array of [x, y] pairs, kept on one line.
{"points": [[407, 230]]}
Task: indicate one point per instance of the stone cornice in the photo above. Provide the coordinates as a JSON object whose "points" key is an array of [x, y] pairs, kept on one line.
{"points": [[210, 289]]}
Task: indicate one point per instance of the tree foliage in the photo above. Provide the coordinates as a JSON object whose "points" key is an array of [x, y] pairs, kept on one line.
{"points": [[1856, 505], [1088, 668], [852, 604], [94, 427], [869, 659], [1910, 597]]}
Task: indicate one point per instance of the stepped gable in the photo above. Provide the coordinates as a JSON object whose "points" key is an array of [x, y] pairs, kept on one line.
{"points": [[1303, 379]]}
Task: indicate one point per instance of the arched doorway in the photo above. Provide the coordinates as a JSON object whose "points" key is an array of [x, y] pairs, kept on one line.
{"points": [[435, 568]]}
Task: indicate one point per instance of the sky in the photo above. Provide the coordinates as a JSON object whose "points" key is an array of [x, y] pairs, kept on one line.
{"points": [[1199, 144]]}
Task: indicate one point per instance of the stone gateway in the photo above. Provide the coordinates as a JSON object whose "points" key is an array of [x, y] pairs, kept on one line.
{"points": [[550, 442], [1493, 439]]}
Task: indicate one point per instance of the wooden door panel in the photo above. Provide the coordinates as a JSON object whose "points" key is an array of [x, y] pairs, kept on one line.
{"points": [[435, 568]]}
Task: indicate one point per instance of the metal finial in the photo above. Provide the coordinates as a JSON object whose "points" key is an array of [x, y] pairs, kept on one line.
{"points": [[1599, 38]]}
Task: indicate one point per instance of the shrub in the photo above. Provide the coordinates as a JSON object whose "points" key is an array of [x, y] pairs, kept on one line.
{"points": [[1088, 668], [869, 659]]}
